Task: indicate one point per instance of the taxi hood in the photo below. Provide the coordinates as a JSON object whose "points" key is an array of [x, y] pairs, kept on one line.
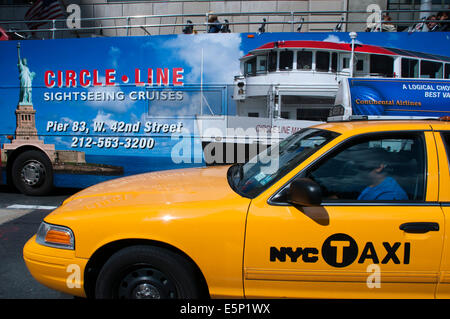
{"points": [[159, 188]]}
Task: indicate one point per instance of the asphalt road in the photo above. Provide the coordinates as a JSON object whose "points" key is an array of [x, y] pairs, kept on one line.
{"points": [[20, 217]]}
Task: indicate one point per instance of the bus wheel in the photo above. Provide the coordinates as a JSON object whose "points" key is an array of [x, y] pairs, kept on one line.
{"points": [[146, 272], [32, 173]]}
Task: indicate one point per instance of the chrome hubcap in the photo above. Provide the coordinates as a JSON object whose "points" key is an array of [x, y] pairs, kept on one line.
{"points": [[32, 172]]}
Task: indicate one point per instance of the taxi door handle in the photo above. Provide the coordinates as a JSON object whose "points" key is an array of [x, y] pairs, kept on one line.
{"points": [[419, 228]]}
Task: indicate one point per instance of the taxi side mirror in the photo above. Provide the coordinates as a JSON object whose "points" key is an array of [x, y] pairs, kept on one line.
{"points": [[304, 192]]}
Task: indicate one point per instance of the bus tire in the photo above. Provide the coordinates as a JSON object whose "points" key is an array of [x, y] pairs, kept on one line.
{"points": [[32, 173], [147, 272]]}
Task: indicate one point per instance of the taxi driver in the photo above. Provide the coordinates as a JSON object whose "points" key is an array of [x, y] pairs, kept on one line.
{"points": [[381, 186]]}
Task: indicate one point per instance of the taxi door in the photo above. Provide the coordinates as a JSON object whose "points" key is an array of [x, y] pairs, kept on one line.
{"points": [[346, 247], [442, 136]]}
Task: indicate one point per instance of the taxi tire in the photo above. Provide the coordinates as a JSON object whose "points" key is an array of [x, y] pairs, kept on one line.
{"points": [[44, 180], [180, 273]]}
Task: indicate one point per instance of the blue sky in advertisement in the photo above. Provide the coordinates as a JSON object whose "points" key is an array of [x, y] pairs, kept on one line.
{"points": [[216, 54]]}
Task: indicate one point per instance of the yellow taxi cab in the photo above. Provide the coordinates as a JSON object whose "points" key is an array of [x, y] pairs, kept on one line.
{"points": [[338, 210]]}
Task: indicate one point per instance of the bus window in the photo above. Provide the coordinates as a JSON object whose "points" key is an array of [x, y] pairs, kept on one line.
{"points": [[250, 67], [322, 61], [447, 71], [345, 63], [304, 60], [313, 113], [284, 115], [410, 68], [261, 65], [382, 64], [360, 65], [272, 65], [334, 60], [429, 69], [286, 60]]}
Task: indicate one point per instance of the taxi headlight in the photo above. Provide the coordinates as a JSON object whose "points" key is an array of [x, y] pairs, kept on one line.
{"points": [[55, 236]]}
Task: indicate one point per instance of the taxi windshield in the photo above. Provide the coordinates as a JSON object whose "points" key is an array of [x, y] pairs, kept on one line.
{"points": [[259, 173]]}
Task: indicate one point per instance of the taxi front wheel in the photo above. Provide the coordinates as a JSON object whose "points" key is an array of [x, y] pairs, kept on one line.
{"points": [[146, 272]]}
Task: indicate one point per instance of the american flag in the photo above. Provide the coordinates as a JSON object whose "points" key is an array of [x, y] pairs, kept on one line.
{"points": [[43, 10]]}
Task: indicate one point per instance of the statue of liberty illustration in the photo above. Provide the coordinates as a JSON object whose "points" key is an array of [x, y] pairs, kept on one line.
{"points": [[26, 78]]}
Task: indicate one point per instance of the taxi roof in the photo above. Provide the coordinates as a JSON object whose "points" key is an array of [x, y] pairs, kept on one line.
{"points": [[357, 127]]}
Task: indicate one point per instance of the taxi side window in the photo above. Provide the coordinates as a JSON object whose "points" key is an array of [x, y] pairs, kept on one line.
{"points": [[446, 139], [374, 168]]}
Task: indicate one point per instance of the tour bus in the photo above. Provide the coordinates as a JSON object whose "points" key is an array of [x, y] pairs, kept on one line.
{"points": [[77, 112]]}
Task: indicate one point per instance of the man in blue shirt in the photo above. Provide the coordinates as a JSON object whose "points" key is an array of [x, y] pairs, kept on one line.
{"points": [[214, 25], [382, 187]]}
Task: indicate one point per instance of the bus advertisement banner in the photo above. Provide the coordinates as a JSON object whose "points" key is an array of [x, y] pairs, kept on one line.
{"points": [[101, 108], [400, 97]]}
